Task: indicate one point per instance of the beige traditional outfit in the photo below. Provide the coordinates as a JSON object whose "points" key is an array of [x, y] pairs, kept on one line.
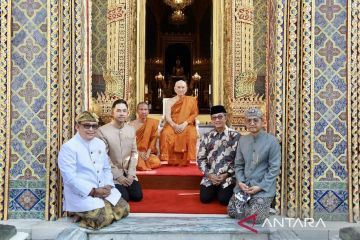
{"points": [[121, 146]]}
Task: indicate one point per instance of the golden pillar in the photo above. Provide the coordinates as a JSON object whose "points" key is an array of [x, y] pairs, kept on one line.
{"points": [[115, 74], [243, 73]]}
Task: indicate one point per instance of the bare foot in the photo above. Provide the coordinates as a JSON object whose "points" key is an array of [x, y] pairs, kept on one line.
{"points": [[76, 219], [144, 169]]}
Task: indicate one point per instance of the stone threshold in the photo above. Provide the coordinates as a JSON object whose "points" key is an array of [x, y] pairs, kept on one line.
{"points": [[174, 226]]}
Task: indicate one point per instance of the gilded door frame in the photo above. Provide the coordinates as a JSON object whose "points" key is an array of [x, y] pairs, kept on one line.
{"points": [[290, 92], [5, 105], [217, 50]]}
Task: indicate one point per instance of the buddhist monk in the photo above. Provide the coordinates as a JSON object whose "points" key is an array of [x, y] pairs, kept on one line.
{"points": [[146, 137], [179, 135]]}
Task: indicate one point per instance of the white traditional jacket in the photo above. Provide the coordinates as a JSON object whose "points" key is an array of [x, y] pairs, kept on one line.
{"points": [[85, 165]]}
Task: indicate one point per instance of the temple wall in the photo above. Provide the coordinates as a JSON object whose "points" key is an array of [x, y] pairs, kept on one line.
{"points": [[312, 100], [28, 110], [330, 113], [260, 36], [313, 108], [43, 85], [98, 44]]}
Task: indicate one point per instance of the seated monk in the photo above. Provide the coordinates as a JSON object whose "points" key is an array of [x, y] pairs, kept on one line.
{"points": [[179, 135], [146, 137]]}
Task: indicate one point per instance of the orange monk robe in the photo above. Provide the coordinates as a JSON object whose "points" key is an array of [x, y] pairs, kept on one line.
{"points": [[146, 137], [180, 149]]}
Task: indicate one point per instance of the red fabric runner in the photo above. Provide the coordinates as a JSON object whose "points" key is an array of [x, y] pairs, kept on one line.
{"points": [[175, 201]]}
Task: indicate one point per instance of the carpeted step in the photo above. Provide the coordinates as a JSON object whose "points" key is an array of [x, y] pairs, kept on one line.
{"points": [[175, 201], [171, 177], [171, 189]]}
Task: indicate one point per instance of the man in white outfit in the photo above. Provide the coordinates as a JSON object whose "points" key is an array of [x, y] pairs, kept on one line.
{"points": [[89, 190]]}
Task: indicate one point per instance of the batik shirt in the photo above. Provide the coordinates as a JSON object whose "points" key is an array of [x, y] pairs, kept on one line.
{"points": [[217, 154]]}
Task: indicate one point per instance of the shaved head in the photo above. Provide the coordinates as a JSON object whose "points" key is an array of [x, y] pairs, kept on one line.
{"points": [[142, 110], [180, 82], [142, 103], [180, 88]]}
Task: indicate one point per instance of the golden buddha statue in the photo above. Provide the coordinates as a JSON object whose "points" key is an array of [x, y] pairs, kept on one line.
{"points": [[178, 69]]}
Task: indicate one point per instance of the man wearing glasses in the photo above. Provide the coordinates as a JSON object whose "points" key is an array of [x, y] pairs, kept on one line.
{"points": [[89, 191], [216, 157], [257, 164], [120, 140]]}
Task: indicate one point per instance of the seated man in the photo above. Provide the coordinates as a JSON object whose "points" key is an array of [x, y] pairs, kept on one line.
{"points": [[216, 159], [146, 137], [89, 191], [180, 114], [120, 140], [257, 164]]}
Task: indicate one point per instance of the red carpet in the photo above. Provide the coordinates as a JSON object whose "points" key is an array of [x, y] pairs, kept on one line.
{"points": [[170, 189], [165, 170], [174, 201], [170, 177]]}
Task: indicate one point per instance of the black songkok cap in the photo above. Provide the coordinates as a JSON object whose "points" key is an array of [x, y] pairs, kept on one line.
{"points": [[217, 109]]}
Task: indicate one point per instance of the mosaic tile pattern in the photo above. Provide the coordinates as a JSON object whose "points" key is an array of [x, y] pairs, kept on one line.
{"points": [[99, 12], [260, 32], [28, 125], [330, 140], [27, 197]]}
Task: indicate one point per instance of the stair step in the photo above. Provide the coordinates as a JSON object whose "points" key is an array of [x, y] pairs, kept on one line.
{"points": [[169, 182], [166, 170], [159, 228], [171, 177], [175, 201]]}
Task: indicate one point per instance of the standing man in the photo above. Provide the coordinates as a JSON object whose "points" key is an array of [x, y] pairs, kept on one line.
{"points": [[146, 137], [180, 114], [89, 191], [257, 164], [120, 140], [216, 159]]}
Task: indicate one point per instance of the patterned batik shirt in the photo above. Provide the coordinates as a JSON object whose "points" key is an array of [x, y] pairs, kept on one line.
{"points": [[217, 154]]}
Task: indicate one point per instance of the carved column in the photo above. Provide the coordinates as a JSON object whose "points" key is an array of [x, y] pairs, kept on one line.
{"points": [[244, 35], [243, 73], [116, 73]]}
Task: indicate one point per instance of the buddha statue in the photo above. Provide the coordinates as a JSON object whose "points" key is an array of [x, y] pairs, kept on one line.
{"points": [[178, 70]]}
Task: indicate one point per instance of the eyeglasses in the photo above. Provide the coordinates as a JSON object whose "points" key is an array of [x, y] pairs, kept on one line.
{"points": [[220, 117], [88, 126], [253, 120]]}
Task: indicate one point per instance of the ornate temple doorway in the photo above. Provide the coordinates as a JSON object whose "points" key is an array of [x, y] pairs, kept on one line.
{"points": [[178, 47], [140, 48]]}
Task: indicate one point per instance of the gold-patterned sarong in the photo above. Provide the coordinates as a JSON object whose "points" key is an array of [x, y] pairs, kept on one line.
{"points": [[102, 217]]}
